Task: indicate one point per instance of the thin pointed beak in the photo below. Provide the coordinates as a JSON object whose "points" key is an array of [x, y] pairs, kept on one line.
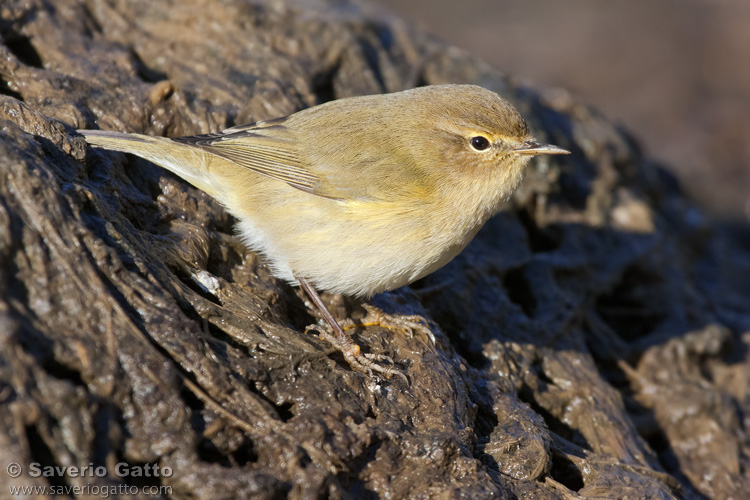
{"points": [[535, 148]]}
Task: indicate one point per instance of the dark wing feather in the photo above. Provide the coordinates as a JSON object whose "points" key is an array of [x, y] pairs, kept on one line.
{"points": [[266, 148]]}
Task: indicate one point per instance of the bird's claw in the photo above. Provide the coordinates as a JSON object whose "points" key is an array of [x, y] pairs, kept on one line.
{"points": [[361, 361], [376, 317]]}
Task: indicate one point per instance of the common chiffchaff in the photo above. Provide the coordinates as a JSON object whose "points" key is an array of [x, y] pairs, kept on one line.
{"points": [[360, 195]]}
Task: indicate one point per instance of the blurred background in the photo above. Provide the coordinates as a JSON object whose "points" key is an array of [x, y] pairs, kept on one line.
{"points": [[676, 73]]}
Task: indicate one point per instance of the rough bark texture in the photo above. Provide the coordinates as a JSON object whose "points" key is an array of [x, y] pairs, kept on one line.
{"points": [[589, 342]]}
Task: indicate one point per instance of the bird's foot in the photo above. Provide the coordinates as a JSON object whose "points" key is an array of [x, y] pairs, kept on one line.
{"points": [[361, 361], [376, 317]]}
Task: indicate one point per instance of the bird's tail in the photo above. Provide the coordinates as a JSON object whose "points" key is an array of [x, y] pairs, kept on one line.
{"points": [[189, 162]]}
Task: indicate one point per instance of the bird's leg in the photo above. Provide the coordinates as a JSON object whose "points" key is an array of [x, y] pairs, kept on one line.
{"points": [[366, 362]]}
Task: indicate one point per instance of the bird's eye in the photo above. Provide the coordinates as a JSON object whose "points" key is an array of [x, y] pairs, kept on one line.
{"points": [[480, 143]]}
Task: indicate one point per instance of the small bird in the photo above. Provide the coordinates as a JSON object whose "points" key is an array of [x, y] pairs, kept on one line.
{"points": [[360, 195]]}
